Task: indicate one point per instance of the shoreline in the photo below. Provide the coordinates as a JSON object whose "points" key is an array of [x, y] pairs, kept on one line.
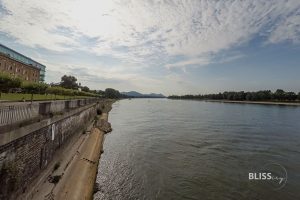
{"points": [[278, 103], [257, 102]]}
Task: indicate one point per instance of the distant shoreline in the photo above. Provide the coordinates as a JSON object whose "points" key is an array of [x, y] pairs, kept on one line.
{"points": [[247, 102], [258, 102]]}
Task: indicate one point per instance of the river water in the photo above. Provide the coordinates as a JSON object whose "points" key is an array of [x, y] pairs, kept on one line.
{"points": [[180, 149]]}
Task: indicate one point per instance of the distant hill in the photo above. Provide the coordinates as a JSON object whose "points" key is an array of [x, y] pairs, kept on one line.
{"points": [[135, 94]]}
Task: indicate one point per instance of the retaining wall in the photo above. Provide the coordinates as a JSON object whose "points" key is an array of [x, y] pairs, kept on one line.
{"points": [[18, 113], [26, 151]]}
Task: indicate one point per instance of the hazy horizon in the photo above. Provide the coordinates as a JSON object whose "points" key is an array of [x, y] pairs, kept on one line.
{"points": [[168, 47]]}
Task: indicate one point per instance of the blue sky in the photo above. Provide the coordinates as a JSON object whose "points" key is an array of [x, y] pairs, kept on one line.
{"points": [[169, 47]]}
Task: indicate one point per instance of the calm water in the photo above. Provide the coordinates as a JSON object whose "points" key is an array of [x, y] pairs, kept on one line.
{"points": [[173, 149]]}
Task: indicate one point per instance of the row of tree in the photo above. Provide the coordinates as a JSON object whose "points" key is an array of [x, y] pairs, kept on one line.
{"points": [[70, 82], [68, 87], [262, 95]]}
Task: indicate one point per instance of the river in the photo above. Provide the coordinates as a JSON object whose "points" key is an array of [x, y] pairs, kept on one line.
{"points": [[181, 149]]}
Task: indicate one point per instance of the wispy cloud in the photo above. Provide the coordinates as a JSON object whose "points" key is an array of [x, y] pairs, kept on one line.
{"points": [[150, 33]]}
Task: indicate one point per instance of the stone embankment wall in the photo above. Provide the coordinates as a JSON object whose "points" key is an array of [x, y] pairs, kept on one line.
{"points": [[17, 114], [25, 151]]}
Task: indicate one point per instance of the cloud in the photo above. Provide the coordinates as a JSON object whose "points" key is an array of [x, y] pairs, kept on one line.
{"points": [[150, 33], [149, 29], [189, 62], [289, 30]]}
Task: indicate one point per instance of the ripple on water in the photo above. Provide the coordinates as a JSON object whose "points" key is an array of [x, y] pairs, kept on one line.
{"points": [[164, 149]]}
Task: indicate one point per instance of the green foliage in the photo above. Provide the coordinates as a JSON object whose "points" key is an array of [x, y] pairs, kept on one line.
{"points": [[69, 82], [7, 82], [68, 92], [34, 88], [100, 92], [55, 90], [262, 95], [112, 93], [68, 87], [85, 89], [279, 94]]}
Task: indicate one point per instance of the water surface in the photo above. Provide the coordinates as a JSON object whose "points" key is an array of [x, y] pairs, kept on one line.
{"points": [[176, 149]]}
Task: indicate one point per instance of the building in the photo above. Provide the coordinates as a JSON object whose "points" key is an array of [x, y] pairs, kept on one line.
{"points": [[16, 64]]}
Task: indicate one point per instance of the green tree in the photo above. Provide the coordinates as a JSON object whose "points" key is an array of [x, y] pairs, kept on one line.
{"points": [[54, 90], [69, 82], [112, 93], [7, 82], [85, 89], [279, 94], [291, 96], [34, 88]]}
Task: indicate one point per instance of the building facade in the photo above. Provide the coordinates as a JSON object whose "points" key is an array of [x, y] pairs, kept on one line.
{"points": [[16, 64]]}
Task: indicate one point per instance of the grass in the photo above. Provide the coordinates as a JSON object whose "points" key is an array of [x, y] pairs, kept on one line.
{"points": [[36, 97]]}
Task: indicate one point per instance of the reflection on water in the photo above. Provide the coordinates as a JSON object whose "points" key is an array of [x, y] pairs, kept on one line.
{"points": [[173, 149]]}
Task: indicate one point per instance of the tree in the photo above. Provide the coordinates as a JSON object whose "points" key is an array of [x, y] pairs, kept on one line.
{"points": [[100, 92], [69, 82], [7, 82], [85, 89], [279, 94], [34, 88], [291, 96], [112, 93], [248, 96], [54, 90]]}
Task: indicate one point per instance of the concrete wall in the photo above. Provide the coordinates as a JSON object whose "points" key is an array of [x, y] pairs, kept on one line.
{"points": [[16, 113], [10, 114], [27, 151]]}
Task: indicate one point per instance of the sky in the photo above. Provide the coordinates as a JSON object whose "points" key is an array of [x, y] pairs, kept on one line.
{"points": [[161, 46]]}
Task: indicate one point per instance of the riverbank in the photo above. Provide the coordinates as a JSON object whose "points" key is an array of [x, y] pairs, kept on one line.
{"points": [[72, 172], [258, 102]]}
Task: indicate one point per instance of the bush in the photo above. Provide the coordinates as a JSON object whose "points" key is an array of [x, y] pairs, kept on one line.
{"points": [[54, 90], [7, 82], [68, 92], [34, 88]]}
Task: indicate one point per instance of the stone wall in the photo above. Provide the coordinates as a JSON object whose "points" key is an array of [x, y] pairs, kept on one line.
{"points": [[15, 114], [22, 159]]}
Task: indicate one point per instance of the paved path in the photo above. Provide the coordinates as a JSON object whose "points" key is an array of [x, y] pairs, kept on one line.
{"points": [[78, 169]]}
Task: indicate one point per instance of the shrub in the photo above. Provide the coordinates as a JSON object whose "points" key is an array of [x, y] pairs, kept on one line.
{"points": [[34, 88], [7, 82]]}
